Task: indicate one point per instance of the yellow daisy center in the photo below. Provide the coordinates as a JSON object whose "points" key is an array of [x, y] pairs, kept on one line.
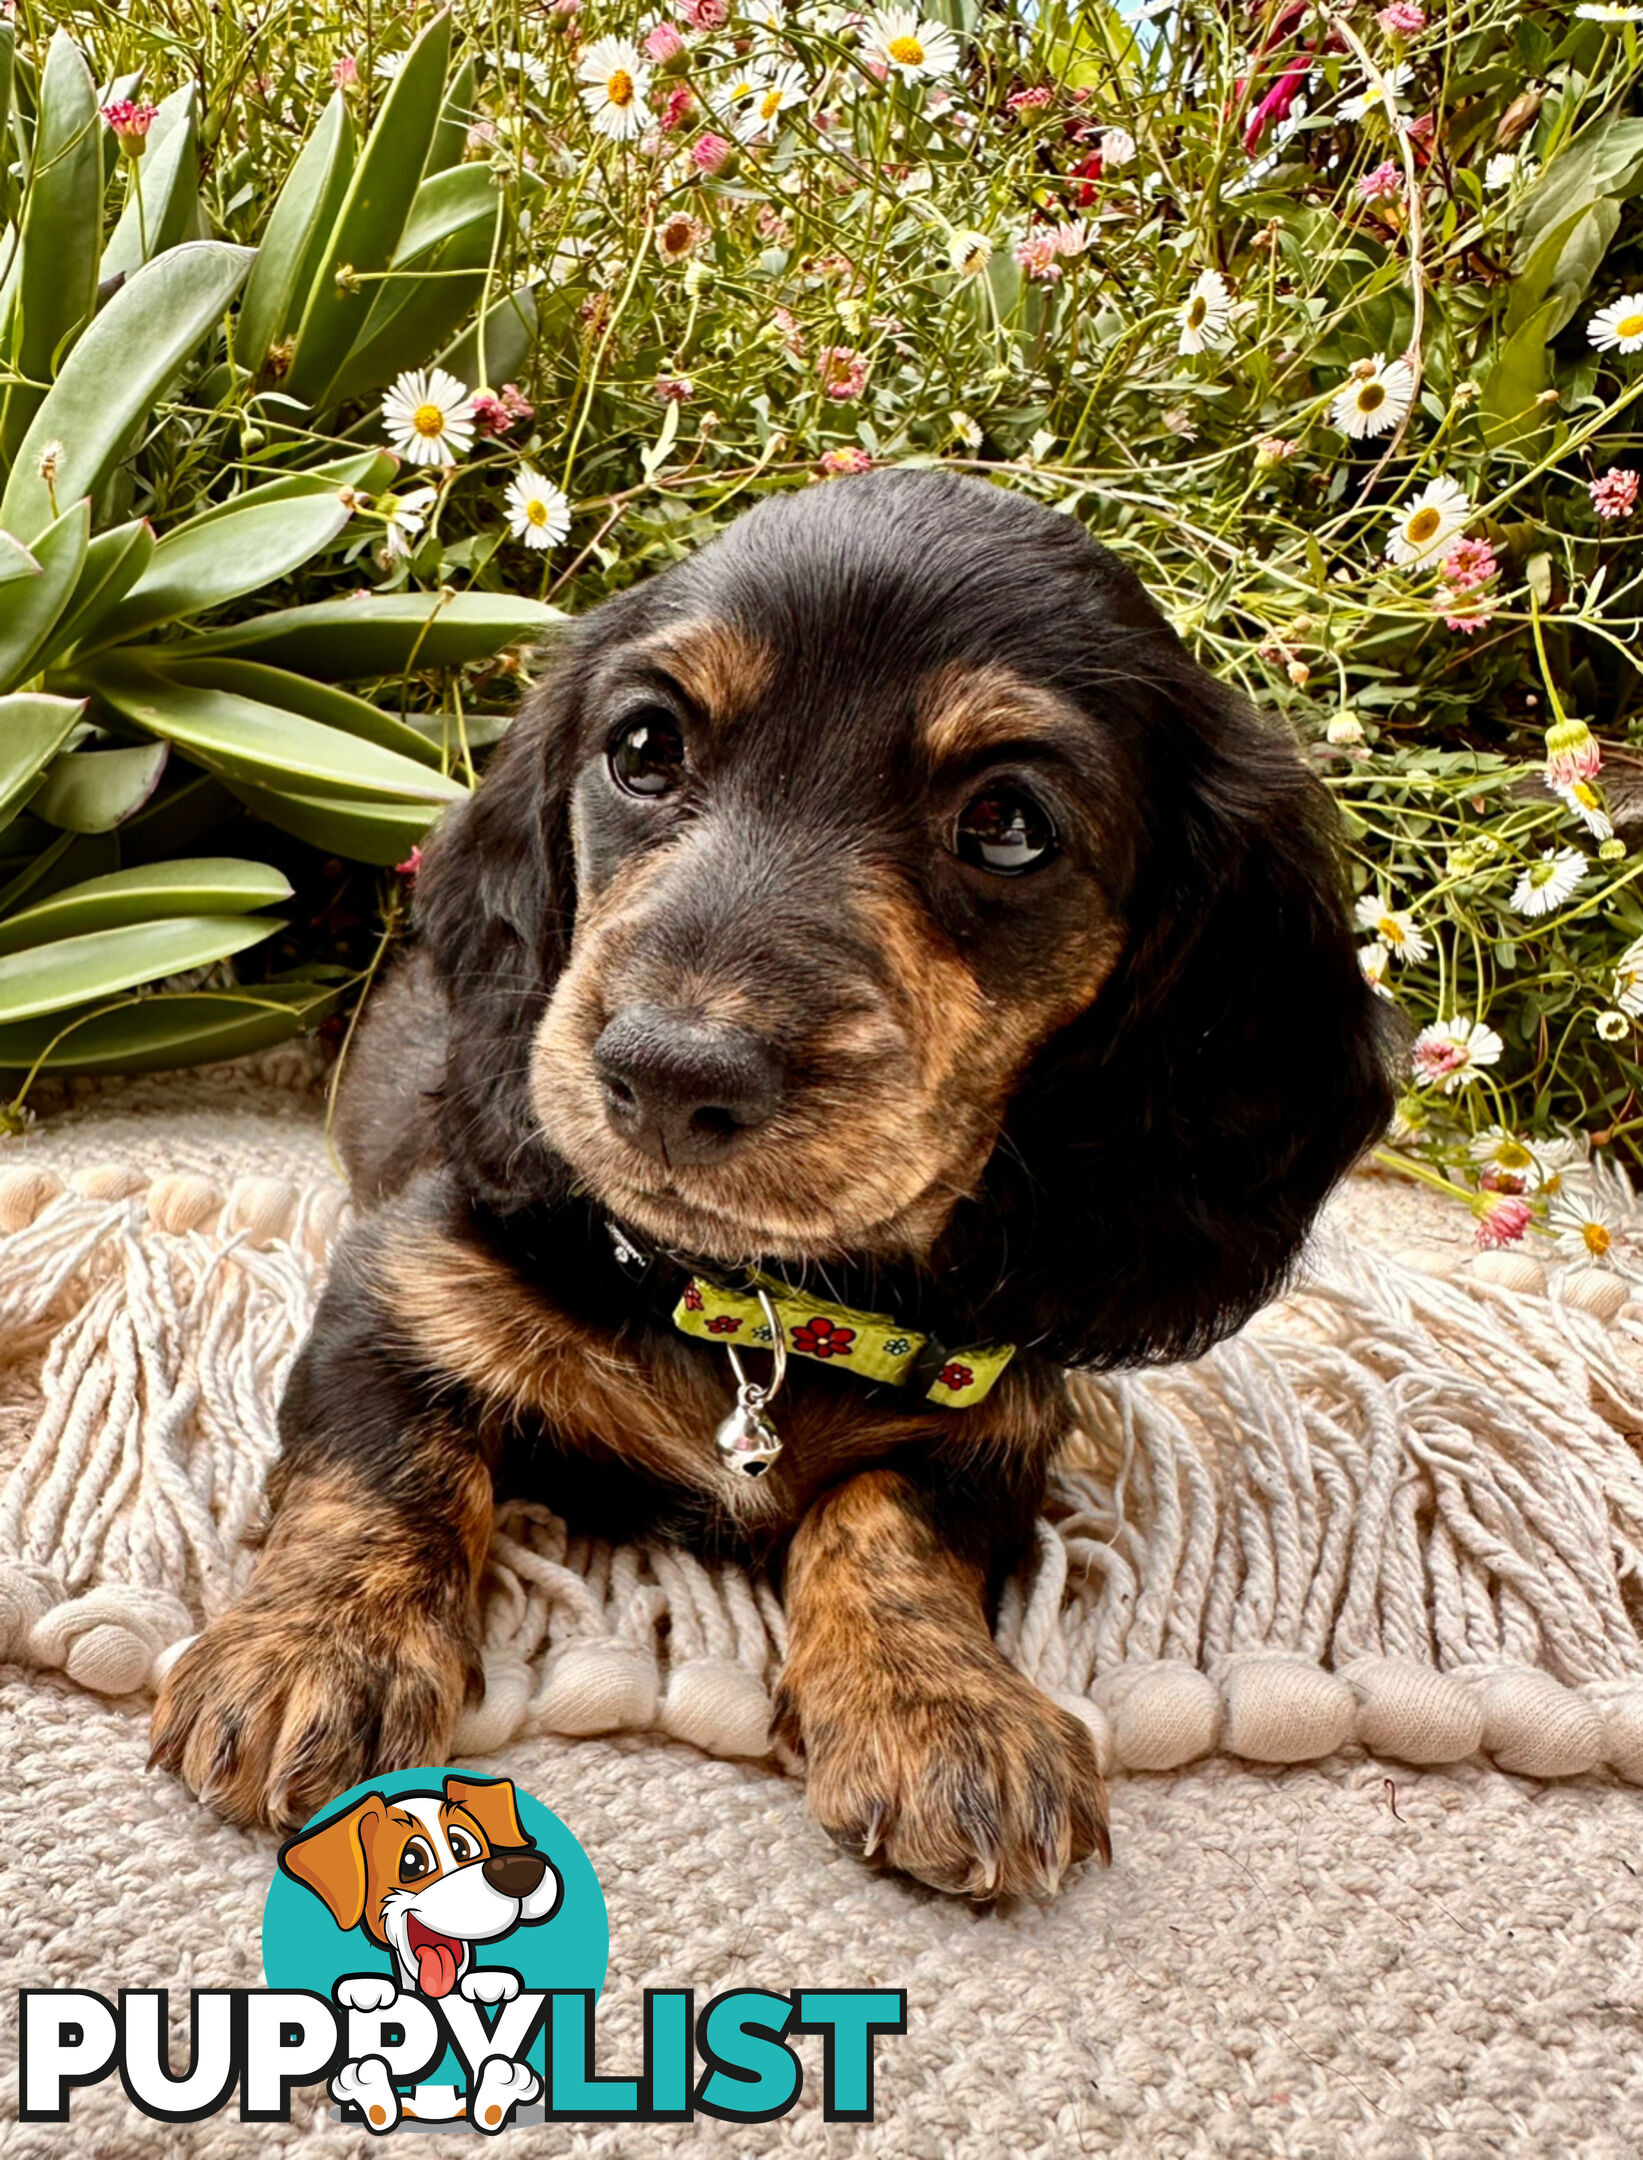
{"points": [[975, 258], [1197, 313], [1371, 397], [770, 105], [1584, 795], [1513, 1155], [1597, 1239], [619, 87], [908, 52], [536, 511], [429, 422], [1423, 525], [1391, 930], [1630, 326]]}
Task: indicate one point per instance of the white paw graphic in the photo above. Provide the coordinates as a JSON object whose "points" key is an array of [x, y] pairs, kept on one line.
{"points": [[489, 1984], [366, 1991], [371, 2089], [502, 2085]]}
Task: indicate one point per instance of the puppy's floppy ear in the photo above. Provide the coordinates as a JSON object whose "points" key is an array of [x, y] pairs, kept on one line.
{"points": [[330, 1859], [1168, 1152], [495, 902], [491, 1803]]}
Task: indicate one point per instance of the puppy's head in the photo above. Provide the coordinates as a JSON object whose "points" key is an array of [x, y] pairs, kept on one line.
{"points": [[886, 883], [426, 1875]]}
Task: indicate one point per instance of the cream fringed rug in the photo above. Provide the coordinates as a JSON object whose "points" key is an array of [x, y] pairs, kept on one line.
{"points": [[1400, 1509], [1340, 1958]]}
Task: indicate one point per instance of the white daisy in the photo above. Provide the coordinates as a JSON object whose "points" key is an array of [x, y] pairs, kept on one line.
{"points": [[1612, 1027], [1545, 885], [917, 48], [1586, 803], [1498, 1149], [969, 253], [1628, 979], [964, 428], [1395, 927], [428, 417], [1117, 148], [762, 102], [1619, 325], [538, 512], [1372, 99], [1376, 396], [407, 515], [1500, 171], [1427, 525], [1586, 1228], [1374, 961], [534, 71], [615, 75], [1605, 11], [1206, 314], [1448, 1054]]}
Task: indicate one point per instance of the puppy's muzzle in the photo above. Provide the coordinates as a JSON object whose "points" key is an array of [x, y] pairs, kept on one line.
{"points": [[514, 1874], [682, 1088]]}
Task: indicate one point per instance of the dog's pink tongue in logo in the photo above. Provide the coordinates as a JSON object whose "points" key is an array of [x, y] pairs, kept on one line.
{"points": [[437, 1958]]}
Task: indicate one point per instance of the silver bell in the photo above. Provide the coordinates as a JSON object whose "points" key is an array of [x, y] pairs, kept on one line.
{"points": [[746, 1440]]}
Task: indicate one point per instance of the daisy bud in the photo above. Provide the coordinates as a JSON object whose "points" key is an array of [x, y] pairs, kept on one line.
{"points": [[714, 157], [1299, 673], [1613, 1027], [1345, 731], [1502, 1219], [1572, 753], [129, 124], [667, 49]]}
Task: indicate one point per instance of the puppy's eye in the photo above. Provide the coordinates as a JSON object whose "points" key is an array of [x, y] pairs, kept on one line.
{"points": [[416, 1861], [647, 754], [1007, 831], [463, 1848]]}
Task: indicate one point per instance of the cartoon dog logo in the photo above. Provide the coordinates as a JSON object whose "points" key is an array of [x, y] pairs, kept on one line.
{"points": [[428, 1875]]}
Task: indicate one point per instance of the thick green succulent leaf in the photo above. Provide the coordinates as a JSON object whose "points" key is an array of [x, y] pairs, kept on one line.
{"points": [[8, 57], [170, 1029], [508, 330], [61, 229], [76, 970], [30, 607], [361, 831], [115, 372], [408, 328], [244, 740], [209, 885], [15, 560], [168, 176], [33, 729], [369, 471], [384, 634], [91, 791], [114, 562], [300, 694], [298, 228], [201, 566], [456, 116], [373, 215]]}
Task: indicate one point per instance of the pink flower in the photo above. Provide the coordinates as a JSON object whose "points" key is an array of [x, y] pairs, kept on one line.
{"points": [[843, 371], [711, 154], [1277, 102], [129, 123], [515, 404], [1615, 494], [1401, 19], [1274, 449], [566, 10], [411, 865], [788, 324], [663, 44], [1384, 184], [1436, 1055], [345, 71], [681, 103], [673, 389], [1030, 100], [1573, 753], [837, 464], [1470, 564], [705, 14], [1038, 254], [1465, 611], [490, 415], [1503, 1219]]}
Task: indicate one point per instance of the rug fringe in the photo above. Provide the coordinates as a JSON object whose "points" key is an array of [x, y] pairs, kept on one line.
{"points": [[1402, 1508]]}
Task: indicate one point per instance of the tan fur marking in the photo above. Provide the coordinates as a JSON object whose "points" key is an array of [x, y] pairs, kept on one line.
{"points": [[965, 712], [721, 669]]}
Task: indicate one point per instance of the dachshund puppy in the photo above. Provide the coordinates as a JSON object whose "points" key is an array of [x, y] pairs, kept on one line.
{"points": [[877, 927]]}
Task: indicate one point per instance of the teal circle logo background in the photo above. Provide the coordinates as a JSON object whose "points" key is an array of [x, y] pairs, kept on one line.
{"points": [[302, 1946]]}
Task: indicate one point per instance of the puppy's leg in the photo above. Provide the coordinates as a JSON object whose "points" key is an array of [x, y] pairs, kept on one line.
{"points": [[922, 1744], [357, 1642]]}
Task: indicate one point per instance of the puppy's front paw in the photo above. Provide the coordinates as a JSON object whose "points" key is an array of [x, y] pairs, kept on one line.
{"points": [[277, 1707], [976, 1784], [489, 1984]]}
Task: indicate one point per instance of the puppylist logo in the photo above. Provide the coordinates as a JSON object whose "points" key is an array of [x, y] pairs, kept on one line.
{"points": [[434, 1946]]}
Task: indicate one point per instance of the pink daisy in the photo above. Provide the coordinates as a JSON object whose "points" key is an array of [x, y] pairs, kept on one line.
{"points": [[1615, 494]]}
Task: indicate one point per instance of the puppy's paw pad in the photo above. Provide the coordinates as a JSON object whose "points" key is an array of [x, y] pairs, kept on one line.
{"points": [[502, 2087], [368, 2087]]}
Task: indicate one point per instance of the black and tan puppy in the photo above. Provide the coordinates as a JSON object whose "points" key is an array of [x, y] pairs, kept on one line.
{"points": [[881, 902]]}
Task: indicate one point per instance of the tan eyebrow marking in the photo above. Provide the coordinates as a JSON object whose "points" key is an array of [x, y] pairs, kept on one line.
{"points": [[720, 668], [966, 711]]}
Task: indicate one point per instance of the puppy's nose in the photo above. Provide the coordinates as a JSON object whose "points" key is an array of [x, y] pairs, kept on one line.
{"points": [[515, 1874], [684, 1090]]}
